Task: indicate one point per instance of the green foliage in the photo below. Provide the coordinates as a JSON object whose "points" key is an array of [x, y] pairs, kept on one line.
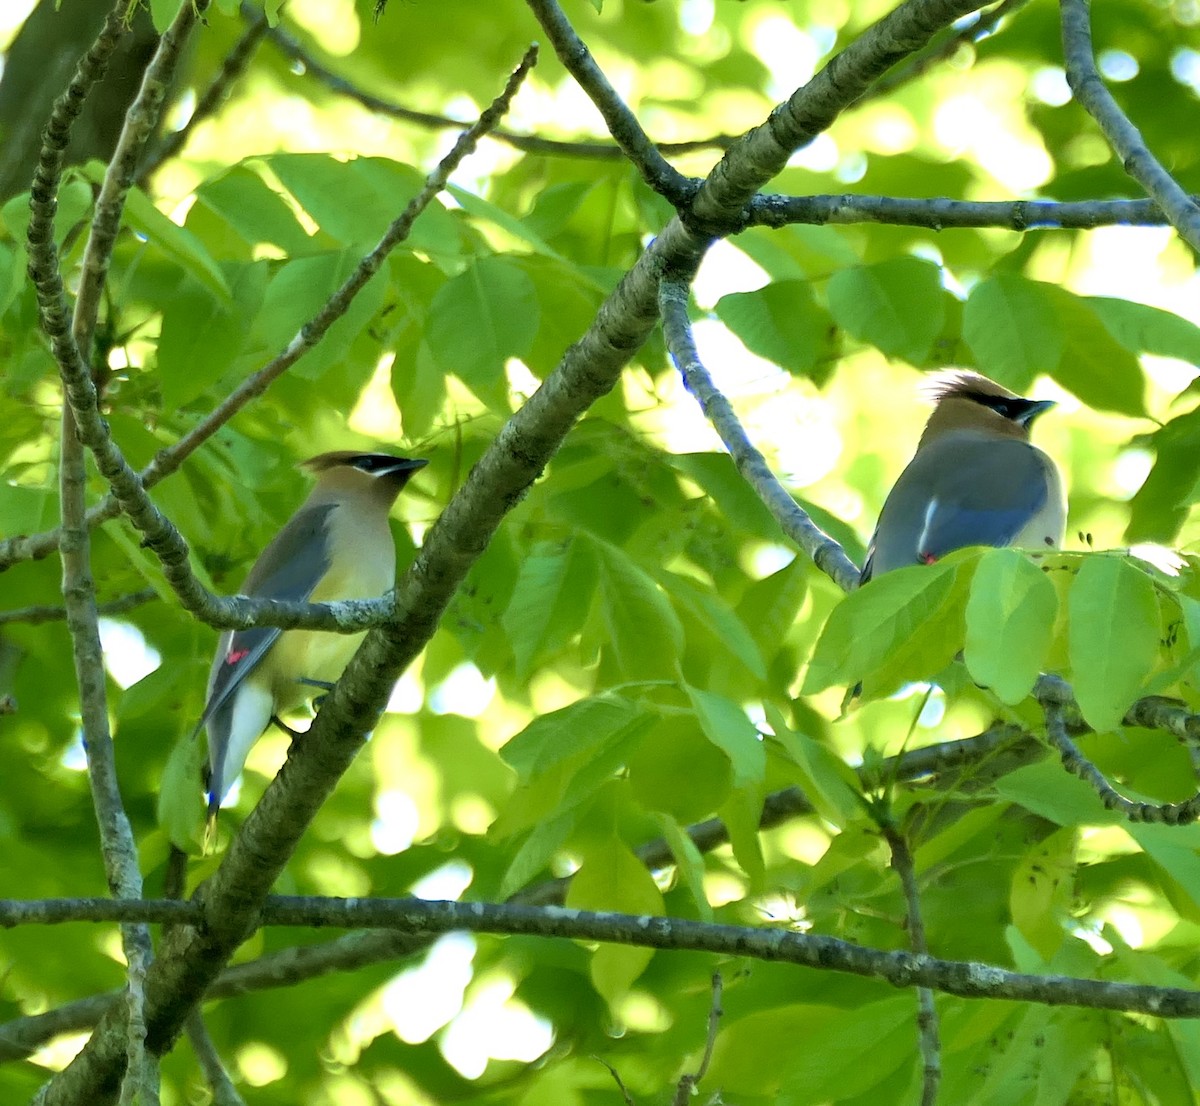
{"points": [[640, 649]]}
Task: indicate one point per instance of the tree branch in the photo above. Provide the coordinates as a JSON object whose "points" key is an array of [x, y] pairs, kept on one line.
{"points": [[940, 213], [1094, 97], [623, 125], [291, 47], [773, 944], [232, 68], [40, 613], [1171, 814], [21, 1036], [825, 553], [927, 1019]]}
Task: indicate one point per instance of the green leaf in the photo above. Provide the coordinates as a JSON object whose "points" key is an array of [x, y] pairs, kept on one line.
{"points": [[1042, 891], [1094, 365], [550, 600], [902, 626], [719, 479], [241, 207], [725, 724], [826, 779], [1012, 330], [480, 209], [1017, 328], [1046, 790], [299, 290], [1010, 621], [162, 12], [672, 750], [1160, 506], [897, 306], [612, 878], [689, 863], [742, 813], [644, 631], [1141, 328], [530, 860], [478, 320], [202, 335], [769, 606], [181, 808], [552, 738], [177, 242], [1176, 849], [757, 1055], [1114, 637], [783, 323]]}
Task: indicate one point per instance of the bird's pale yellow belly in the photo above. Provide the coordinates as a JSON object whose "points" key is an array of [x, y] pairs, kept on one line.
{"points": [[313, 654]]}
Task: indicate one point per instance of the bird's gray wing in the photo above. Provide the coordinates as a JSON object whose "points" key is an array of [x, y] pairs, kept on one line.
{"points": [[955, 493], [290, 568], [986, 508]]}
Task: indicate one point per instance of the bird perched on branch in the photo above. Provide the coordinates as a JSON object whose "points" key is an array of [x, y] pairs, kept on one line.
{"points": [[975, 479], [336, 546]]}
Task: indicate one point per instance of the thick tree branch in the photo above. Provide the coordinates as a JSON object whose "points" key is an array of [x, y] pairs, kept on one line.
{"points": [[117, 846], [191, 958], [18, 1038], [524, 445], [1094, 97], [239, 612], [764, 151]]}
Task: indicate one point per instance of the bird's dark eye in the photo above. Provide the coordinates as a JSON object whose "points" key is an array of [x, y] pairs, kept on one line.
{"points": [[371, 462]]}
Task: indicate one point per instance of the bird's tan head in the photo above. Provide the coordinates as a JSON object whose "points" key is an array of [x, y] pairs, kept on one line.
{"points": [[378, 476], [969, 401]]}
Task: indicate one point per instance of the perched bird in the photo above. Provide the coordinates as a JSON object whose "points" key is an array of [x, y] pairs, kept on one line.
{"points": [[336, 546], [974, 480]]}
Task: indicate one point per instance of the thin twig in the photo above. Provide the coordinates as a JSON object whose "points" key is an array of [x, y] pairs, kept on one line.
{"points": [[626, 1097], [288, 967], [826, 553], [215, 1074], [161, 536], [623, 125], [118, 849], [927, 1019], [1122, 135], [1171, 814], [291, 47], [232, 67], [687, 1084], [44, 613], [938, 52], [771, 944], [940, 213]]}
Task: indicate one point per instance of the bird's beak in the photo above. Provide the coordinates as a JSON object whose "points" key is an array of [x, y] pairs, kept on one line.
{"points": [[1035, 408]]}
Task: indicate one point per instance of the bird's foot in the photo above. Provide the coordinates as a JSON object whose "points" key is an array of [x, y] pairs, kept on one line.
{"points": [[325, 685], [293, 734]]}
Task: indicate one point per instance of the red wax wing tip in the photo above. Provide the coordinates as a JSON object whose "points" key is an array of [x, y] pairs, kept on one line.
{"points": [[237, 655]]}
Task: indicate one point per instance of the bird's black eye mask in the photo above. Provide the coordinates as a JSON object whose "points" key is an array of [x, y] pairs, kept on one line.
{"points": [[372, 462], [1018, 410]]}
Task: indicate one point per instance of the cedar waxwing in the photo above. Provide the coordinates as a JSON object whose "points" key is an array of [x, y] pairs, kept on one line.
{"points": [[336, 546], [974, 480]]}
